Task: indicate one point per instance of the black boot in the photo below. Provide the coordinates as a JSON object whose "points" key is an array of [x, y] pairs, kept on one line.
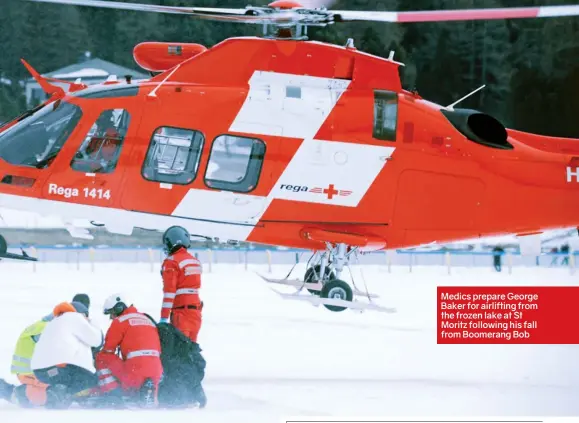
{"points": [[58, 397], [112, 400], [147, 394], [21, 397]]}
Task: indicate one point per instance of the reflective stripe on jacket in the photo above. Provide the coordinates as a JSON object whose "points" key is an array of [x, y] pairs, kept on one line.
{"points": [[25, 347], [134, 334], [181, 281]]}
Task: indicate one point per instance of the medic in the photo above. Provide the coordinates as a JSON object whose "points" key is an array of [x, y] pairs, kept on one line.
{"points": [[32, 392], [181, 274], [138, 370]]}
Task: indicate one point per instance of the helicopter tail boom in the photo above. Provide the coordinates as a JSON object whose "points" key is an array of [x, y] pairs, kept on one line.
{"points": [[558, 145]]}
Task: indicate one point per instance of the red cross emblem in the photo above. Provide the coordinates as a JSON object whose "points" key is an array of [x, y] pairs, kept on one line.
{"points": [[330, 191]]}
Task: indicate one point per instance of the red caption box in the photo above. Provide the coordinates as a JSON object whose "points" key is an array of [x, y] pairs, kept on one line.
{"points": [[508, 315]]}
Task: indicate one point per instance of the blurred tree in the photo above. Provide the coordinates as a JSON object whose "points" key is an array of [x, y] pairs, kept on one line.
{"points": [[47, 36], [454, 58], [530, 66], [545, 84]]}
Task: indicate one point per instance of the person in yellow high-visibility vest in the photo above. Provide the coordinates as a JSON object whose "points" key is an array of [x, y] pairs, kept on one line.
{"points": [[32, 392]]}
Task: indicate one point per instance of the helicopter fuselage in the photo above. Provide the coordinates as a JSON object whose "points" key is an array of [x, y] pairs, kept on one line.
{"points": [[287, 143]]}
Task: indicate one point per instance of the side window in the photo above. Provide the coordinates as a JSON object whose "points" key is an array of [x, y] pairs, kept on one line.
{"points": [[100, 150], [385, 115], [173, 156], [235, 163]]}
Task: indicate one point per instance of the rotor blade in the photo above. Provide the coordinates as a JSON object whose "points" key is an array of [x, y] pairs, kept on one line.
{"points": [[458, 15], [219, 14]]}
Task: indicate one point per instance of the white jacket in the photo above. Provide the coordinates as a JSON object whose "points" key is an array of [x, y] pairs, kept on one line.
{"points": [[67, 339]]}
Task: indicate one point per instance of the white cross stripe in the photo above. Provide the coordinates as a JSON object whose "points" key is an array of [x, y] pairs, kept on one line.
{"points": [[279, 104], [170, 296], [297, 106], [104, 372], [288, 105], [167, 305], [339, 161]]}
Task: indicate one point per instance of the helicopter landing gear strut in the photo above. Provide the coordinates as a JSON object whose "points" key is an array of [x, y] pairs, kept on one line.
{"points": [[323, 280], [5, 254]]}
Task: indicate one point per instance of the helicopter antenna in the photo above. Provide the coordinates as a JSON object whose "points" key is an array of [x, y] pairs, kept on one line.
{"points": [[451, 106]]}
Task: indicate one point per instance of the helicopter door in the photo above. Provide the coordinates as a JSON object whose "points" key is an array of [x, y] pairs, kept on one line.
{"points": [[93, 174], [234, 170], [171, 175]]}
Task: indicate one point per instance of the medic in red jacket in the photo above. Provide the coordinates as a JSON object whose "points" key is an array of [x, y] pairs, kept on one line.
{"points": [[136, 338], [181, 283]]}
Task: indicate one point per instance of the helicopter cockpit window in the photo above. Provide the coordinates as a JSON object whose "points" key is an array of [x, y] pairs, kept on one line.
{"points": [[173, 156], [40, 134], [235, 163], [100, 150], [385, 115]]}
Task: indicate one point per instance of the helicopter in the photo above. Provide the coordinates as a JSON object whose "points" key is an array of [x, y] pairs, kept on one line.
{"points": [[283, 141]]}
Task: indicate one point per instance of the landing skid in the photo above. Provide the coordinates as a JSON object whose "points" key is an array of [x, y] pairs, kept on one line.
{"points": [[5, 254], [322, 281], [312, 286], [334, 302]]}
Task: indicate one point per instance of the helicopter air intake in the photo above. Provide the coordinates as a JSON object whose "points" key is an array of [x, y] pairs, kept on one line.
{"points": [[479, 127]]}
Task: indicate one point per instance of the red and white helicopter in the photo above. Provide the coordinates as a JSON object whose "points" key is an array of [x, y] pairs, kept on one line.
{"points": [[283, 141]]}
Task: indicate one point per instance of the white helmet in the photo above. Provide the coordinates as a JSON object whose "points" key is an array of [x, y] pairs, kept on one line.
{"points": [[115, 304]]}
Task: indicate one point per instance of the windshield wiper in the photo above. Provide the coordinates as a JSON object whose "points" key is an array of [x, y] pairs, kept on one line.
{"points": [[44, 162]]}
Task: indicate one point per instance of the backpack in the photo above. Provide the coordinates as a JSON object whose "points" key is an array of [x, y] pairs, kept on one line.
{"points": [[183, 369]]}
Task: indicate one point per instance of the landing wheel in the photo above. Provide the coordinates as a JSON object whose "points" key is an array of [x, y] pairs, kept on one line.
{"points": [[3, 245], [339, 290], [312, 276]]}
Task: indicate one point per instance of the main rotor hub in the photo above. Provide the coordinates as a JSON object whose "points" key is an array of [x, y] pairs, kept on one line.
{"points": [[289, 20], [285, 5]]}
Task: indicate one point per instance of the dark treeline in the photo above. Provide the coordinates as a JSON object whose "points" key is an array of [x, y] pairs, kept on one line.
{"points": [[530, 66]]}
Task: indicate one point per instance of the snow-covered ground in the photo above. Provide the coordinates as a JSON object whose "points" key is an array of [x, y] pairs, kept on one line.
{"points": [[270, 358]]}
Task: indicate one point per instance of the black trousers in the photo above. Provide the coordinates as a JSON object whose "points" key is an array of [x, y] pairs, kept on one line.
{"points": [[497, 262], [75, 378]]}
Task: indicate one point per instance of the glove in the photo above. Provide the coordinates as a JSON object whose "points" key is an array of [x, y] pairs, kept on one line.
{"points": [[164, 320]]}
